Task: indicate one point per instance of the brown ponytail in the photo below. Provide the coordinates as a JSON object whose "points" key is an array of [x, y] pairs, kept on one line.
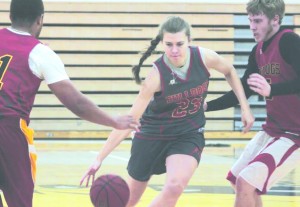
{"points": [[136, 69], [173, 24]]}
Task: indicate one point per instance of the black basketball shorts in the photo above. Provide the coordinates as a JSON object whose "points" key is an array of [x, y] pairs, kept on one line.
{"points": [[148, 156]]}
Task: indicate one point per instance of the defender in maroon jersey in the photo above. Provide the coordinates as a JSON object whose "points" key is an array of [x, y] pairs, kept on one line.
{"points": [[273, 71], [24, 63]]}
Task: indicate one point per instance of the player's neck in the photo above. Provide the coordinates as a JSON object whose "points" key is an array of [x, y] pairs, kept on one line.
{"points": [[20, 28]]}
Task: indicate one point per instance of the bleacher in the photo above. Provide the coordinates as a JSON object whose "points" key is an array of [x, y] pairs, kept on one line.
{"points": [[100, 41]]}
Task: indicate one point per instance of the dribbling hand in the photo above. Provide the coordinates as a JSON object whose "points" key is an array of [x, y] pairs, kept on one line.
{"points": [[90, 173]]}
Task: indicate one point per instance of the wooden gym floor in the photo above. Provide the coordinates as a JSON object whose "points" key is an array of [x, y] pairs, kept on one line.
{"points": [[62, 163]]}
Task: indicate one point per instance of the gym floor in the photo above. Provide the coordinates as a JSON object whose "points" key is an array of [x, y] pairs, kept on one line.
{"points": [[61, 165]]}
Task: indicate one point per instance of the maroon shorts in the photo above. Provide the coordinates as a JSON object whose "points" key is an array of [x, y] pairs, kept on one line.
{"points": [[17, 164]]}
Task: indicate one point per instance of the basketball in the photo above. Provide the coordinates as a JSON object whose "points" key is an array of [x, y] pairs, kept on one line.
{"points": [[109, 191]]}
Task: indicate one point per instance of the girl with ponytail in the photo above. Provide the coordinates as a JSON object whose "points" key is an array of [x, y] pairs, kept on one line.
{"points": [[170, 109]]}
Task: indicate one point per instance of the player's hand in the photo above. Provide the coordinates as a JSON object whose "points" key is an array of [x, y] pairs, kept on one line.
{"points": [[91, 173], [248, 120], [259, 84], [126, 122]]}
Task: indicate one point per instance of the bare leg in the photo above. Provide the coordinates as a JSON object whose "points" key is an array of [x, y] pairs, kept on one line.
{"points": [[246, 195], [258, 201], [233, 186], [180, 169], [137, 189]]}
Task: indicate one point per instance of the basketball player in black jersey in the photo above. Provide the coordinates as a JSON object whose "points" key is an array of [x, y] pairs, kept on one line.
{"points": [[170, 109]]}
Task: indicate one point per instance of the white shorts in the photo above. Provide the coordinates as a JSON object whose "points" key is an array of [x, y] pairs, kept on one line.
{"points": [[265, 161]]}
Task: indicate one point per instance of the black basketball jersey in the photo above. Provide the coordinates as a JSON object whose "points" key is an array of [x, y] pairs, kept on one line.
{"points": [[178, 108]]}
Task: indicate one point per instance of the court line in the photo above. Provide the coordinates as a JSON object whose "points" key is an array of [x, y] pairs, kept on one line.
{"points": [[113, 156]]}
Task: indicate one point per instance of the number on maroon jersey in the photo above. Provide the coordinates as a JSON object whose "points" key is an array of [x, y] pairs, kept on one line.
{"points": [[4, 62], [183, 107]]}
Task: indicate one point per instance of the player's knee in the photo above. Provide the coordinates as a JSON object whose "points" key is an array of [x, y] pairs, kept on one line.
{"points": [[174, 187], [242, 186]]}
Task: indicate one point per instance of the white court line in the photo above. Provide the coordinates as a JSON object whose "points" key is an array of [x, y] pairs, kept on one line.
{"points": [[119, 158], [113, 156], [285, 191]]}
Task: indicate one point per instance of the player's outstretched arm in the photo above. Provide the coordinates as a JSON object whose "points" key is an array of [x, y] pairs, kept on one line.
{"points": [[219, 63], [83, 107], [147, 90]]}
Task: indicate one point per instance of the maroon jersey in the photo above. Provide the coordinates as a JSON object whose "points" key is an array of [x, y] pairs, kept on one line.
{"points": [[283, 112], [18, 85], [178, 108]]}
